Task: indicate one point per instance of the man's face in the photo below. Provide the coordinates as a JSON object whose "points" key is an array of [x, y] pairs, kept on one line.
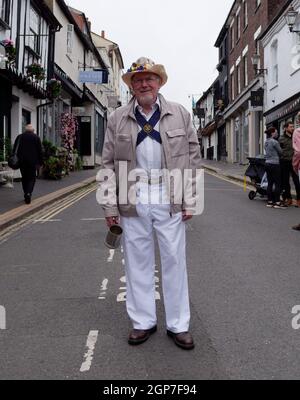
{"points": [[290, 129], [146, 86]]}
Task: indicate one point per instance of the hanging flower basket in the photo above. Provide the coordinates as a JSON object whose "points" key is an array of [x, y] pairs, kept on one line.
{"points": [[54, 88], [36, 71], [10, 50]]}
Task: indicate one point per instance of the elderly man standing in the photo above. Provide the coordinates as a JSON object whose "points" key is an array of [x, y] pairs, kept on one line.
{"points": [[152, 135]]}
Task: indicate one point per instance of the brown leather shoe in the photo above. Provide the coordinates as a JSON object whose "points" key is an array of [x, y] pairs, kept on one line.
{"points": [[296, 228], [183, 340], [138, 336], [289, 202]]}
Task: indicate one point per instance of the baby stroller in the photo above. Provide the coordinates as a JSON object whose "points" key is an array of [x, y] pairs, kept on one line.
{"points": [[257, 173]]}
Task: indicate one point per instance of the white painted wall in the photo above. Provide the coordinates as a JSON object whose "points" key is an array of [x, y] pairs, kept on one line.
{"points": [[288, 62], [26, 102], [69, 63]]}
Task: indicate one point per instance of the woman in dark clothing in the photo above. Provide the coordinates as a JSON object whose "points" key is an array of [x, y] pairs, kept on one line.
{"points": [[31, 157], [273, 153]]}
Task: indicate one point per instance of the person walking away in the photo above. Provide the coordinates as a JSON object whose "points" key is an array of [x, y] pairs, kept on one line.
{"points": [[287, 170], [153, 135], [30, 157], [296, 158], [273, 153]]}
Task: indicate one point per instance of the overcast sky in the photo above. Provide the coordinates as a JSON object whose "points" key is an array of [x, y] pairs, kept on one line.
{"points": [[179, 34]]}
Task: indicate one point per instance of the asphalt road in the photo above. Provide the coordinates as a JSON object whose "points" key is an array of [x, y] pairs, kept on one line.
{"points": [[64, 292]]}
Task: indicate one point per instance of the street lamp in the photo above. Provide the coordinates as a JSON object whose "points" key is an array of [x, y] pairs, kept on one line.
{"points": [[256, 62], [291, 18]]}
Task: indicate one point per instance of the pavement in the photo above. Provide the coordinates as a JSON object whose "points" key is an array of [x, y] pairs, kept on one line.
{"points": [[12, 207], [232, 171]]}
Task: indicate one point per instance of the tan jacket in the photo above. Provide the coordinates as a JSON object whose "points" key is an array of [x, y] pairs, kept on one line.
{"points": [[180, 150]]}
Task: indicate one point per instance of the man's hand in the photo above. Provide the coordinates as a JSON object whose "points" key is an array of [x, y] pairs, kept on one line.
{"points": [[186, 216], [110, 221]]}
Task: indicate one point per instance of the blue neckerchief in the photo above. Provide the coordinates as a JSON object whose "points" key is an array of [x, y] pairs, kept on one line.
{"points": [[148, 127]]}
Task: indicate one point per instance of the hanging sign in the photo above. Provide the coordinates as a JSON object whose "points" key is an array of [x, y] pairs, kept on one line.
{"points": [[97, 77]]}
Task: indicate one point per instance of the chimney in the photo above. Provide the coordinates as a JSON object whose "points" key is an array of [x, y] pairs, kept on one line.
{"points": [[103, 34]]}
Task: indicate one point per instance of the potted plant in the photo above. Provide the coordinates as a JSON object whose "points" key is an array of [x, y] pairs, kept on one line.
{"points": [[55, 164], [53, 88], [36, 71], [10, 50]]}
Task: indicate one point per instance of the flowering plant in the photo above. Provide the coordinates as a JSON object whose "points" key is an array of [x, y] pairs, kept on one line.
{"points": [[10, 50], [69, 126], [54, 88], [36, 71], [139, 68]]}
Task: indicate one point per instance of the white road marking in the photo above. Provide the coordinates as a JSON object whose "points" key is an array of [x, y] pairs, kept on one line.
{"points": [[48, 220], [93, 219], [104, 285], [89, 355], [103, 289], [111, 256]]}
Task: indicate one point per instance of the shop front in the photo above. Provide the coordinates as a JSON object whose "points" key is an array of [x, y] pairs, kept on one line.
{"points": [[283, 113]]}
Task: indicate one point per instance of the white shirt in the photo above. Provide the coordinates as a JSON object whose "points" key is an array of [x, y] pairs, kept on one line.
{"points": [[149, 159], [149, 152]]}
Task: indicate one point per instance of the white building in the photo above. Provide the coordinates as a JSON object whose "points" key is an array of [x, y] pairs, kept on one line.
{"points": [[208, 130], [112, 95], [76, 54], [282, 60], [30, 27]]}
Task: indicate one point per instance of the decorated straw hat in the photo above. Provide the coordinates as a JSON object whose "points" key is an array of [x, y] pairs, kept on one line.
{"points": [[145, 65]]}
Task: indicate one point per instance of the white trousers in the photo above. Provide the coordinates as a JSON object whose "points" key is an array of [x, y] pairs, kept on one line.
{"points": [[139, 252]]}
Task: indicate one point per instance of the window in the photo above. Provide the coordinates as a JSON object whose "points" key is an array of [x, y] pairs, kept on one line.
{"points": [[245, 65], [232, 37], [238, 76], [5, 10], [232, 86], [35, 23], [245, 6], [238, 27], [70, 32], [274, 58]]}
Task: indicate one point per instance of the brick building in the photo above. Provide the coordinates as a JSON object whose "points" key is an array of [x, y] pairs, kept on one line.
{"points": [[247, 19]]}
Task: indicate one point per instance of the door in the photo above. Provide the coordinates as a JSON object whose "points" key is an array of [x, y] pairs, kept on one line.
{"points": [[85, 136], [26, 119]]}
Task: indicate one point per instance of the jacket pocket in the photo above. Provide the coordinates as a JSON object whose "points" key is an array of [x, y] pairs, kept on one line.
{"points": [[123, 148], [178, 142]]}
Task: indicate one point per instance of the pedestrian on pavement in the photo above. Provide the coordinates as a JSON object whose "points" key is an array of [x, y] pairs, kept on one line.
{"points": [[287, 170], [296, 159], [152, 134], [273, 153], [30, 157]]}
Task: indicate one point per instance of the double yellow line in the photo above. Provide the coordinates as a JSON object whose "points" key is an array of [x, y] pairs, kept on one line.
{"points": [[68, 202], [46, 214]]}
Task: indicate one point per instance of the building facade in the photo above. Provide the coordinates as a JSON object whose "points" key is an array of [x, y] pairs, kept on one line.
{"points": [[27, 36], [244, 120], [282, 60]]}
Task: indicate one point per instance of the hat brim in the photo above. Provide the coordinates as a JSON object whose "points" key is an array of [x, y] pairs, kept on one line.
{"points": [[156, 69]]}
